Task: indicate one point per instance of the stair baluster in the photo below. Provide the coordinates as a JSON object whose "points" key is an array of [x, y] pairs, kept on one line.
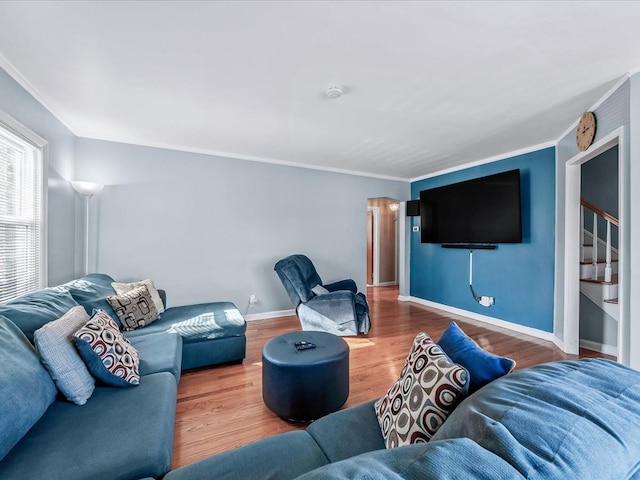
{"points": [[607, 267], [594, 255], [582, 255]]}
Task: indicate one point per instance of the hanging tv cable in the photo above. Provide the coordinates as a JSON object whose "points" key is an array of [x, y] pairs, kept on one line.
{"points": [[484, 301]]}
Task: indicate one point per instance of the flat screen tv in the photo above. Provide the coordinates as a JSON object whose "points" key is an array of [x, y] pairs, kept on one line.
{"points": [[484, 210]]}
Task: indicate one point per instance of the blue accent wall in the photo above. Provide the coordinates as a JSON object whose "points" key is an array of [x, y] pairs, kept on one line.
{"points": [[519, 276]]}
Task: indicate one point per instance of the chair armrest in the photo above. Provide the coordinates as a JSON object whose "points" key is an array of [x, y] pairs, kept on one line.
{"points": [[347, 284]]}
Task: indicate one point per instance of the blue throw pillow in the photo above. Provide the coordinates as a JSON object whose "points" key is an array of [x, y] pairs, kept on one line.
{"points": [[109, 356], [26, 389], [483, 366]]}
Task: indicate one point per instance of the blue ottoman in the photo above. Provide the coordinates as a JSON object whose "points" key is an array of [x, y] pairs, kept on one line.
{"points": [[304, 385]]}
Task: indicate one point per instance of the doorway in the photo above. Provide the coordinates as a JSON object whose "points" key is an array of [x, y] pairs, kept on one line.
{"points": [[599, 308], [573, 240], [382, 241]]}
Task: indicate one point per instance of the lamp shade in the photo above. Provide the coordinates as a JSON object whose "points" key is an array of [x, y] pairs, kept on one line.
{"points": [[87, 188]]}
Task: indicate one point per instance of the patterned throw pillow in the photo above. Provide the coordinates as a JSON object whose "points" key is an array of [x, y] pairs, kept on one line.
{"points": [[134, 308], [108, 354], [121, 288], [419, 402], [54, 343], [483, 366]]}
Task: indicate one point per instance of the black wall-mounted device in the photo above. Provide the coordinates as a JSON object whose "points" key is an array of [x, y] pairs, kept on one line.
{"points": [[413, 208]]}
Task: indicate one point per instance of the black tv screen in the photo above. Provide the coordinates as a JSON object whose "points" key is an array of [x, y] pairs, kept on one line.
{"points": [[484, 210]]}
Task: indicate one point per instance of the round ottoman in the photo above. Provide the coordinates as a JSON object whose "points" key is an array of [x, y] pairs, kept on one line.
{"points": [[304, 385]]}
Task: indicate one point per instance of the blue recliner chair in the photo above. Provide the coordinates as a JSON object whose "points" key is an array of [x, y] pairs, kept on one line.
{"points": [[335, 308]]}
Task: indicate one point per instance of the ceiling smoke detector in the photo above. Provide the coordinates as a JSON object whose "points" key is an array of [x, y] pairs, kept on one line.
{"points": [[333, 92]]}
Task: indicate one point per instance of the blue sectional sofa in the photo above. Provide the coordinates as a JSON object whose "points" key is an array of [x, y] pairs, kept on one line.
{"points": [[563, 420], [119, 433]]}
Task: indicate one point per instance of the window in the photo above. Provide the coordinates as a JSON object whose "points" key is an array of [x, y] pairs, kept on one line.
{"points": [[22, 212]]}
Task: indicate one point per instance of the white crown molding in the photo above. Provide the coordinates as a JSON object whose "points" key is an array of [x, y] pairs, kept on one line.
{"points": [[268, 315], [496, 158], [237, 156], [14, 73], [496, 322], [602, 99]]}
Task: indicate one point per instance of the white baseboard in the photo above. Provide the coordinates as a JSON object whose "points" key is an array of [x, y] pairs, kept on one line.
{"points": [[496, 322], [599, 347], [387, 284], [266, 315]]}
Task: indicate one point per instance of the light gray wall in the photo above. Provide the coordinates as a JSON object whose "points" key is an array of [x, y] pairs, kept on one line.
{"points": [[596, 325], [634, 227], [17, 102], [210, 228]]}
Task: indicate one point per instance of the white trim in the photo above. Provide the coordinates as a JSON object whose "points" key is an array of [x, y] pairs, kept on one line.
{"points": [[602, 99], [13, 72], [32, 138], [496, 322], [558, 343], [376, 245], [605, 349], [571, 292], [387, 284], [496, 158], [267, 315], [239, 156]]}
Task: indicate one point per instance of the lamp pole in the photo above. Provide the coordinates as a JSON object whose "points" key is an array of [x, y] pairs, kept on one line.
{"points": [[87, 190]]}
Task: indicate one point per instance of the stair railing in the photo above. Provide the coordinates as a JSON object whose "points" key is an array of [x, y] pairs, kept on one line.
{"points": [[609, 219]]}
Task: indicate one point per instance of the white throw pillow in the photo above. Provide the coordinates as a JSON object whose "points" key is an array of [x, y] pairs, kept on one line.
{"points": [[54, 343]]}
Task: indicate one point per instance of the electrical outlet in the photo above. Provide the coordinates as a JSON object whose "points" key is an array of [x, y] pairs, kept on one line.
{"points": [[486, 301], [252, 299]]}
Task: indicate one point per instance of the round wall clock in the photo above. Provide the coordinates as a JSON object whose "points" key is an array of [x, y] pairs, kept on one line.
{"points": [[586, 131]]}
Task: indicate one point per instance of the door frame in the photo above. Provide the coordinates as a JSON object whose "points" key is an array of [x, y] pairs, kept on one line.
{"points": [[376, 244], [572, 242]]}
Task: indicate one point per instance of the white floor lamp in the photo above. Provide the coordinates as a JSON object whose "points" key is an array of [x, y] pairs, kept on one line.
{"points": [[87, 190]]}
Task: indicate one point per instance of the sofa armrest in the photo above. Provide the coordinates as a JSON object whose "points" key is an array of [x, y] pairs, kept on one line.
{"points": [[163, 297], [347, 284]]}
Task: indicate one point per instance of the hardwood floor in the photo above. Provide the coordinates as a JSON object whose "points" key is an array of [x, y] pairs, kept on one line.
{"points": [[220, 408]]}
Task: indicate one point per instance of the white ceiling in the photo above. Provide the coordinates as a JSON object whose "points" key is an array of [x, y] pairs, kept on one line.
{"points": [[429, 85]]}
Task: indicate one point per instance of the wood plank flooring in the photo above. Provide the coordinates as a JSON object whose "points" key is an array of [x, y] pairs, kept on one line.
{"points": [[220, 408]]}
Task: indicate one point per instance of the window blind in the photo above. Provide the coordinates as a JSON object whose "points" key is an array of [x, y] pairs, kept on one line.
{"points": [[21, 243]]}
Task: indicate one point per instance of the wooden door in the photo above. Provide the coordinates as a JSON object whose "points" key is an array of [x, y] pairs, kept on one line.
{"points": [[369, 247]]}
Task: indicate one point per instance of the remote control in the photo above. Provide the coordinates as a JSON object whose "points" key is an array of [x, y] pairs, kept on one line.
{"points": [[304, 345]]}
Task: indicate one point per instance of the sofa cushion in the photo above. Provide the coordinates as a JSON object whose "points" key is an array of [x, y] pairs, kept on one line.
{"points": [[121, 288], [118, 434], [26, 389], [359, 432], [483, 366], [570, 419], [159, 352], [54, 344], [109, 355], [281, 457], [445, 460], [203, 321], [134, 308], [91, 291], [418, 403], [32, 311]]}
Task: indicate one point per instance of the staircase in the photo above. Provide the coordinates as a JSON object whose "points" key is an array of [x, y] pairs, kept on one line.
{"points": [[599, 262]]}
